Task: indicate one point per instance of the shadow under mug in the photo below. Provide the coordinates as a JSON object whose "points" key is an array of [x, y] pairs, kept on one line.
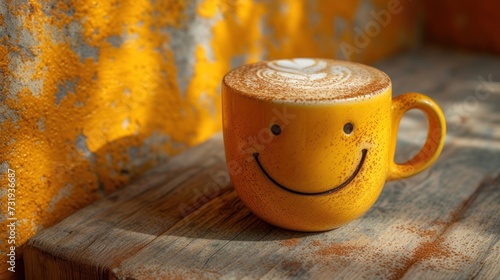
{"points": [[302, 156]]}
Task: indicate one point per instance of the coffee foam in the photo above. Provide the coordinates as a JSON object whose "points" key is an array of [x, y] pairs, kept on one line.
{"points": [[305, 80]]}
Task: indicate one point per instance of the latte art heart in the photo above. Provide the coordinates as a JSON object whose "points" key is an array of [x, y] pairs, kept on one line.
{"points": [[297, 65], [307, 80], [300, 70]]}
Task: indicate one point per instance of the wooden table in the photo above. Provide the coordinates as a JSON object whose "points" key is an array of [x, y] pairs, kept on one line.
{"points": [[183, 219]]}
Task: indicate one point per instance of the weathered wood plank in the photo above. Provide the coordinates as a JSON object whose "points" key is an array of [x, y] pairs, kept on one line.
{"points": [[469, 235], [183, 219]]}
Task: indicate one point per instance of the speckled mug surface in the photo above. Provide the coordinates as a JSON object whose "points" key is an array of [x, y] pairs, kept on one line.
{"points": [[310, 142]]}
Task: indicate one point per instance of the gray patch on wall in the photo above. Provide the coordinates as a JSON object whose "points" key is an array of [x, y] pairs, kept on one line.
{"points": [[26, 39], [81, 145], [195, 30], [73, 34], [21, 58], [22, 73], [115, 40], [238, 60], [7, 113], [4, 167], [63, 89], [151, 151]]}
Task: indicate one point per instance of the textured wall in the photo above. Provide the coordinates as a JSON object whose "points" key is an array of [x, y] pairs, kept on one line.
{"points": [[94, 93]]}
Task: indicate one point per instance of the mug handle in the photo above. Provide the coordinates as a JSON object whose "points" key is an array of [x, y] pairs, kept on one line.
{"points": [[435, 135]]}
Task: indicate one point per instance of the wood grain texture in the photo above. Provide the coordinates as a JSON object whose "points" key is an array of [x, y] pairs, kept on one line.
{"points": [[183, 219]]}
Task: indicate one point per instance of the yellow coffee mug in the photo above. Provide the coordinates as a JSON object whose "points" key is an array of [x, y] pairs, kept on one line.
{"points": [[310, 142]]}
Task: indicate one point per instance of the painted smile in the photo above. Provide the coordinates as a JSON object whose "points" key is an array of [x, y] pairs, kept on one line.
{"points": [[332, 190]]}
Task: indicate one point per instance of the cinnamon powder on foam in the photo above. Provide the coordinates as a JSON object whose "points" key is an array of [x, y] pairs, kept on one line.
{"points": [[363, 82]]}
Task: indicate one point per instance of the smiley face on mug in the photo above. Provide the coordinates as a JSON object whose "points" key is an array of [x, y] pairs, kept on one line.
{"points": [[348, 129]]}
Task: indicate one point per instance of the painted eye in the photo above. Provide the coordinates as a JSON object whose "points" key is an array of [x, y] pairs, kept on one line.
{"points": [[348, 127], [276, 129]]}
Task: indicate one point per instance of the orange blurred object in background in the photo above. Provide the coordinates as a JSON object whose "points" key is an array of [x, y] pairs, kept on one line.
{"points": [[464, 24]]}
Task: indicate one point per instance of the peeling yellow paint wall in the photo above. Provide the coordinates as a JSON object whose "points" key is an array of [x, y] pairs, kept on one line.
{"points": [[94, 93]]}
